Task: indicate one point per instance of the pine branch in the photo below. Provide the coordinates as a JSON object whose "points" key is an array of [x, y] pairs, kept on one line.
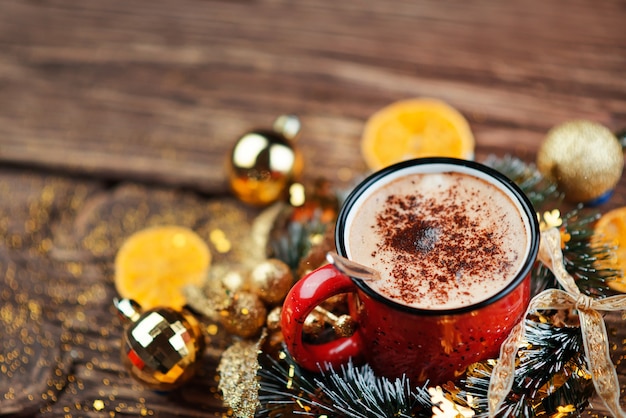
{"points": [[539, 190], [350, 392], [550, 375], [292, 241], [286, 389], [550, 378], [550, 349], [574, 395], [581, 257], [357, 392]]}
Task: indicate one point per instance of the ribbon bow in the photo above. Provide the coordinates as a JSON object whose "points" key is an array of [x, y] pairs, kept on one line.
{"points": [[595, 339]]}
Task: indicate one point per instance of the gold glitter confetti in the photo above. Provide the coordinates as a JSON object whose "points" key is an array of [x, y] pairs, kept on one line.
{"points": [[98, 404], [564, 411], [212, 329], [550, 219], [445, 408], [220, 241], [297, 194]]}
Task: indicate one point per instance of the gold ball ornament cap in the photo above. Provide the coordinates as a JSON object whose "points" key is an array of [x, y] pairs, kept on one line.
{"points": [[162, 347], [584, 158], [264, 163]]}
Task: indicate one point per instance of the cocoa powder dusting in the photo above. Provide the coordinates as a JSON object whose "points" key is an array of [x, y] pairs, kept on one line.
{"points": [[435, 239]]}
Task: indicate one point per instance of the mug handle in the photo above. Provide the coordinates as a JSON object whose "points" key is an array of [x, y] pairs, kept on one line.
{"points": [[304, 296]]}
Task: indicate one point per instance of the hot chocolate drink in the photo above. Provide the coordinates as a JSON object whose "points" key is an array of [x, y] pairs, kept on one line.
{"points": [[440, 240], [455, 242]]}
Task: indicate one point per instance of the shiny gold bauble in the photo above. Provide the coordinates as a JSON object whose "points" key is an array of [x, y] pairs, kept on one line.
{"points": [[245, 315], [271, 280], [161, 347], [584, 158], [264, 163]]}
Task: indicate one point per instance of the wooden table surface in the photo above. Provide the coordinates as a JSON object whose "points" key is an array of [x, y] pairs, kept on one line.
{"points": [[118, 114]]}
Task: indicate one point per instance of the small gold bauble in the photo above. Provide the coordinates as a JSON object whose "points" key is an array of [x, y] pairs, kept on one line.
{"points": [[161, 347], [273, 319], [244, 316], [264, 163], [271, 280], [584, 158]]}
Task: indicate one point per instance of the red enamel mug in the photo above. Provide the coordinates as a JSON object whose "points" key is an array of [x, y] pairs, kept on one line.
{"points": [[429, 342]]}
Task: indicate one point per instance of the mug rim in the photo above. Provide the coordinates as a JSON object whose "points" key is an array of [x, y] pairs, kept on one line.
{"points": [[500, 179]]}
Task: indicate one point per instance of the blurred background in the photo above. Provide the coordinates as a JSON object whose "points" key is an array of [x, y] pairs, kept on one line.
{"points": [[161, 90]]}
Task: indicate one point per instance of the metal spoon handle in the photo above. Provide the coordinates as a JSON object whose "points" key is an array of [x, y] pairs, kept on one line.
{"points": [[351, 268]]}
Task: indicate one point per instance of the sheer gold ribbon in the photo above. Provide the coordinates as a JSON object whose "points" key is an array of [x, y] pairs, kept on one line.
{"points": [[595, 339]]}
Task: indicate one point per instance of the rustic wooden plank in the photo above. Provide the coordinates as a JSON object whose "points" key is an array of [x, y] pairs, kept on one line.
{"points": [[163, 90]]}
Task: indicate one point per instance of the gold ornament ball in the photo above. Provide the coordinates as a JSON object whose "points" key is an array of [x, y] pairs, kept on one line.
{"points": [[271, 280], [264, 163], [584, 158], [161, 347], [273, 319], [245, 315]]}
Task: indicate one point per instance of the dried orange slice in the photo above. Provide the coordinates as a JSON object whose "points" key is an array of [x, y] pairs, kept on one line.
{"points": [[611, 230], [415, 128], [153, 265]]}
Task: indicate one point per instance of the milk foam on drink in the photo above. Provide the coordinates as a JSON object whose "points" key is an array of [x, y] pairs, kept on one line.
{"points": [[441, 240]]}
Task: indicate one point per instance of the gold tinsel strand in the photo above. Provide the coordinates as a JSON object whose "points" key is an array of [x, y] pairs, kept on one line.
{"points": [[238, 377]]}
